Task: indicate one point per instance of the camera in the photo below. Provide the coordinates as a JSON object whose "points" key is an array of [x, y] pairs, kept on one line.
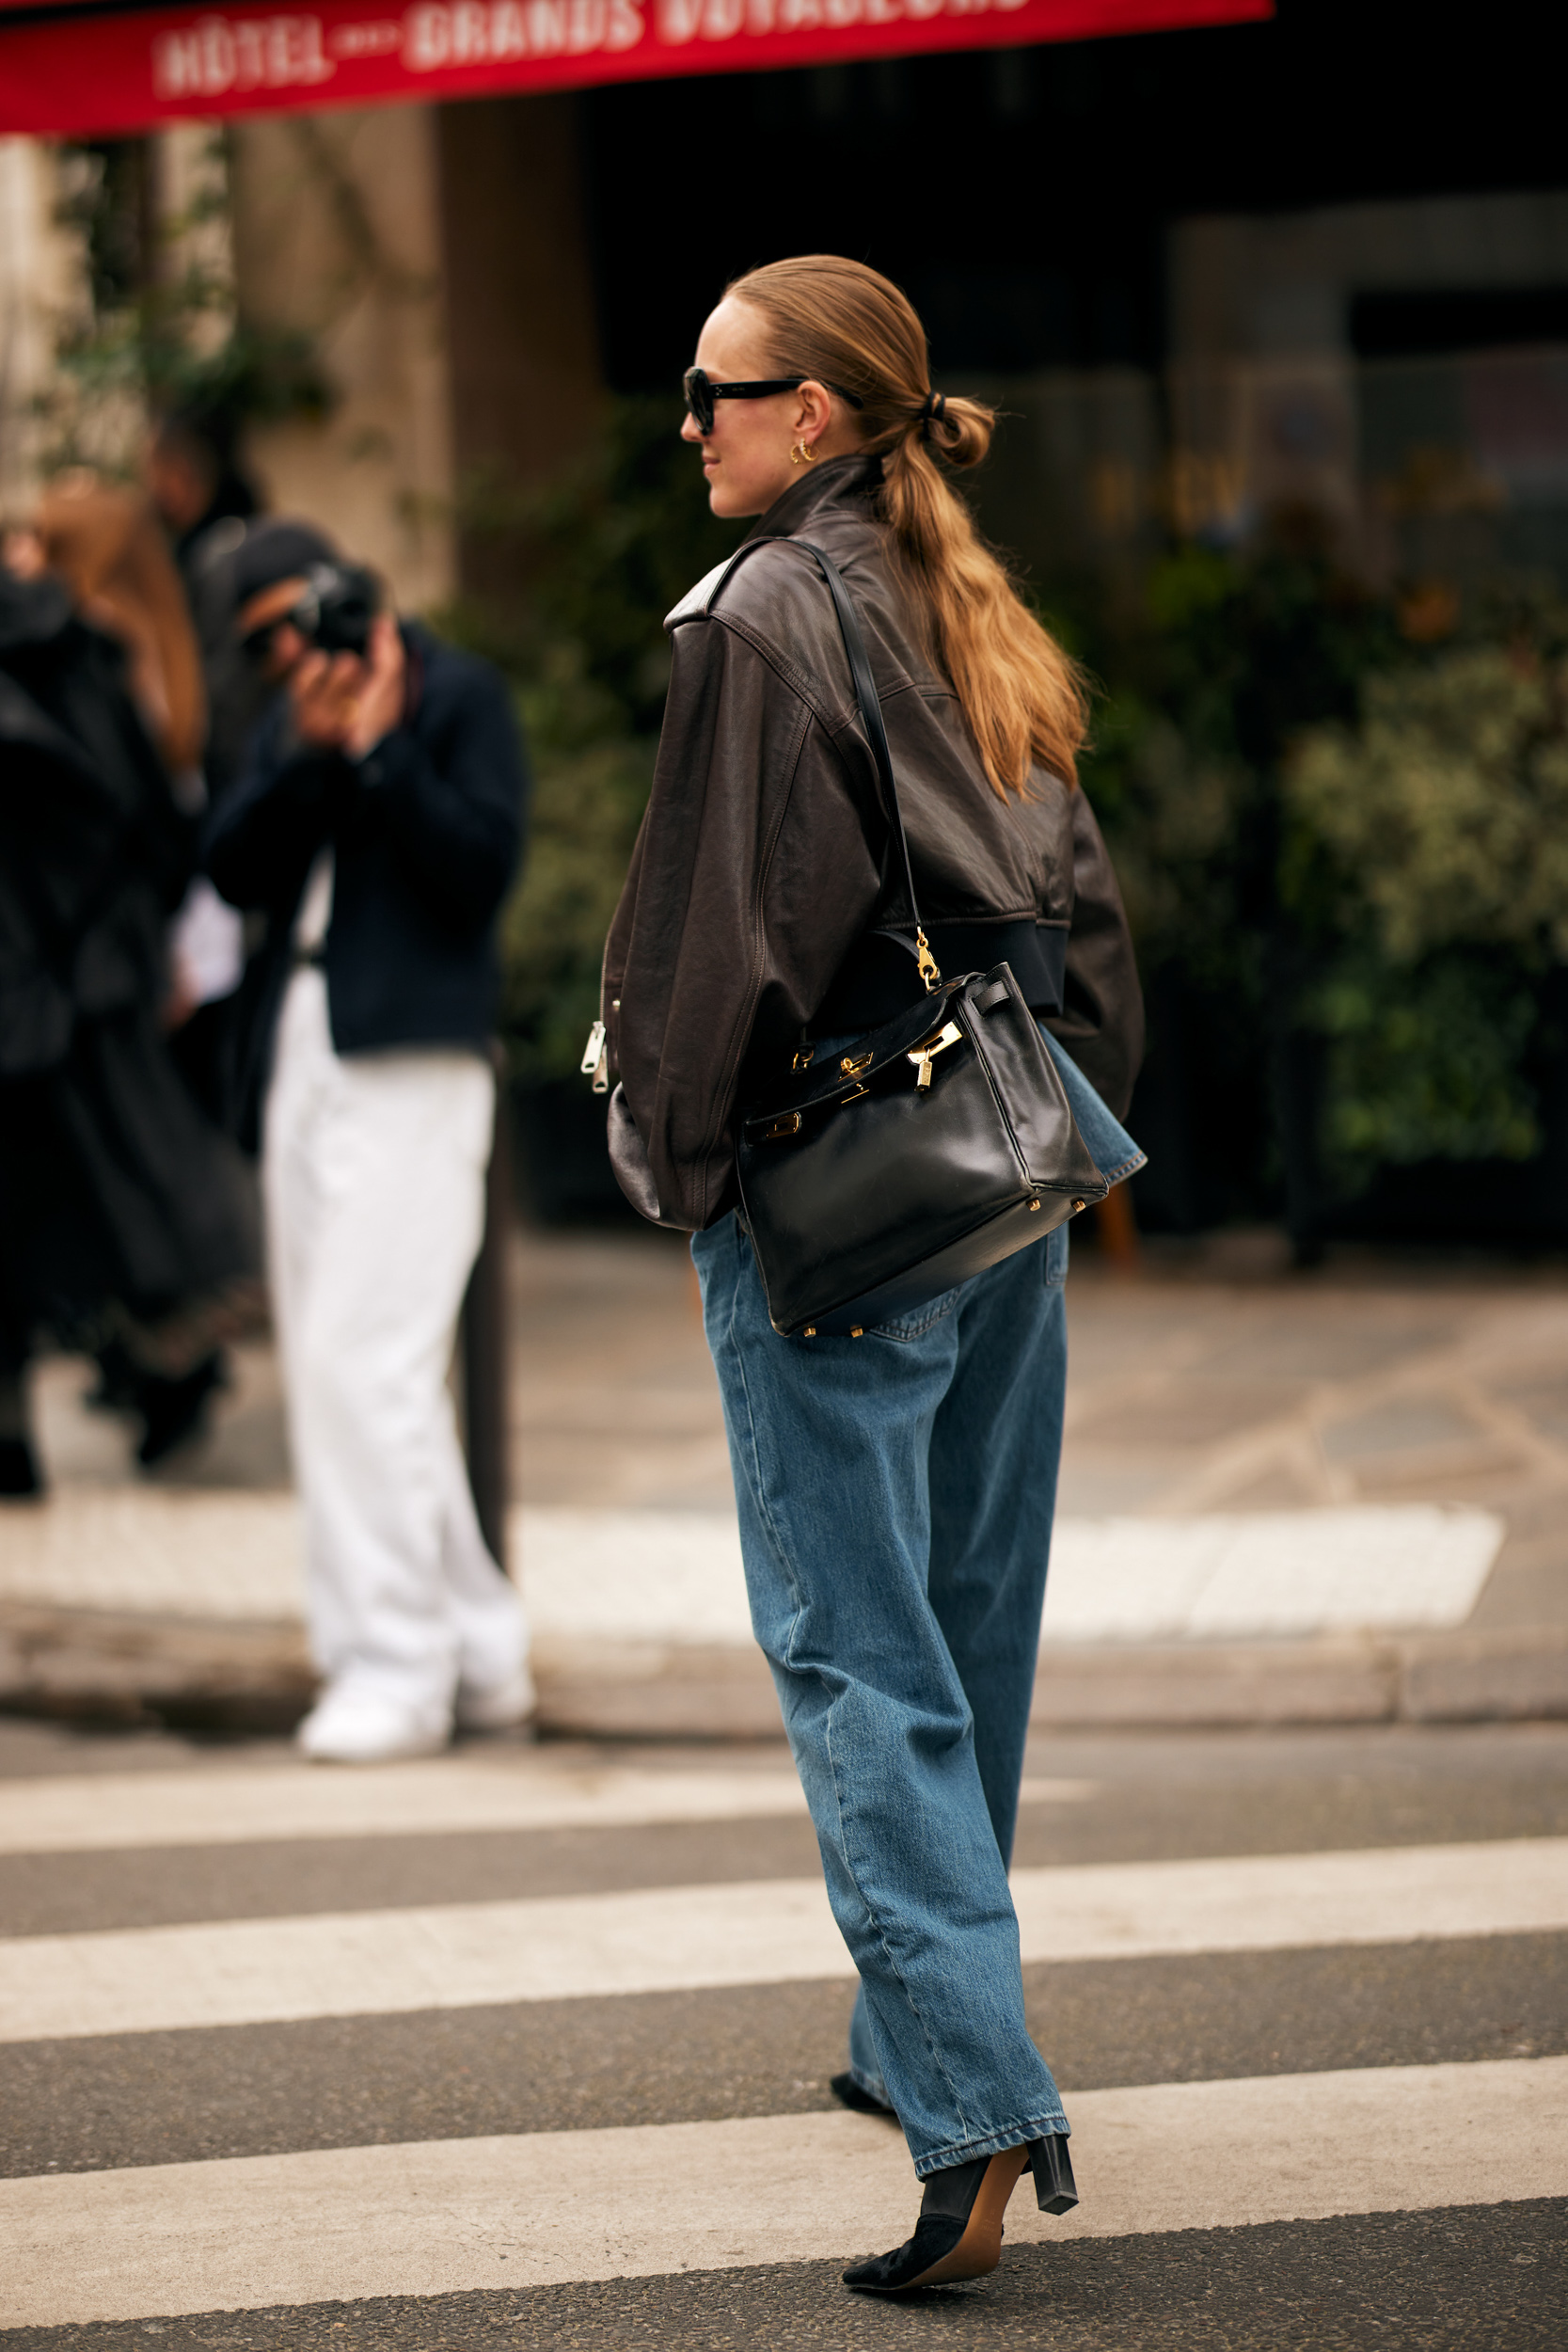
{"points": [[340, 601]]}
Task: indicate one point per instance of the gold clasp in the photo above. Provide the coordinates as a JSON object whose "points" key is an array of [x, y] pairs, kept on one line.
{"points": [[803, 1056], [927, 1051], [928, 963], [853, 1064], [787, 1124]]}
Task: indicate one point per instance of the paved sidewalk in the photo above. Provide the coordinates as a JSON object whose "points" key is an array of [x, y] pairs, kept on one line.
{"points": [[1337, 1496]]}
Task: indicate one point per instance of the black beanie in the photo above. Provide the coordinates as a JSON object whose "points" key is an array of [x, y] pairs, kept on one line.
{"points": [[271, 551]]}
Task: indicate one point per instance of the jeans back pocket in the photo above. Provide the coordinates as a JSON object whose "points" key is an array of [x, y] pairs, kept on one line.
{"points": [[918, 1321]]}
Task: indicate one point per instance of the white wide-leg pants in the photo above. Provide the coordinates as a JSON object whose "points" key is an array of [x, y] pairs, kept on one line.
{"points": [[373, 1179]]}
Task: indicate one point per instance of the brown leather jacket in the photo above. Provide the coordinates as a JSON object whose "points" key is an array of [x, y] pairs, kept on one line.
{"points": [[763, 857]]}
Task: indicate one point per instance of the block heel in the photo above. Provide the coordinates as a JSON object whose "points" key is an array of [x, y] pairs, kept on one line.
{"points": [[1055, 2190]]}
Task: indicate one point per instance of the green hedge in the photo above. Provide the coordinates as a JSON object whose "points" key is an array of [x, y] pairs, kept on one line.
{"points": [[604, 555]]}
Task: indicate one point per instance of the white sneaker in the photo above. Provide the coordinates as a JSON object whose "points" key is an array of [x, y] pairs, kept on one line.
{"points": [[497, 1706], [350, 1724]]}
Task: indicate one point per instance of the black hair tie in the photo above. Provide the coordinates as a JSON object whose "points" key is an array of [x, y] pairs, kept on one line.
{"points": [[935, 407]]}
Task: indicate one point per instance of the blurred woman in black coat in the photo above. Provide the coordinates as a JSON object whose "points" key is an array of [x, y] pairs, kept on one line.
{"points": [[123, 1214]]}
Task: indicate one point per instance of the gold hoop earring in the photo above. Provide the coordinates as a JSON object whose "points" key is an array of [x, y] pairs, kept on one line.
{"points": [[803, 454]]}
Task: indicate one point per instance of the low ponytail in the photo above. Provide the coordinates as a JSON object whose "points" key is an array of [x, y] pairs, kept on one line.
{"points": [[1023, 697]]}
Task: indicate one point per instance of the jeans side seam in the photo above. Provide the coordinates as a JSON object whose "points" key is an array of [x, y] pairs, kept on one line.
{"points": [[738, 1354]]}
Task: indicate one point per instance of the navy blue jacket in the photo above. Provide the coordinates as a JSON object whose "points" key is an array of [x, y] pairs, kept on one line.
{"points": [[426, 835]]}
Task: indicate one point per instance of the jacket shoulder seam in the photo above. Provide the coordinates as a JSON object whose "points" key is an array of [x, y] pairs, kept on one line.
{"points": [[779, 662]]}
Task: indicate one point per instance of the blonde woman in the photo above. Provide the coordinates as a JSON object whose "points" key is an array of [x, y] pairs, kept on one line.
{"points": [[895, 1490]]}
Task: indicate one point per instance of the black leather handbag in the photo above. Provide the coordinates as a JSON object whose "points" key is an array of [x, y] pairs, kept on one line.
{"points": [[878, 1176]]}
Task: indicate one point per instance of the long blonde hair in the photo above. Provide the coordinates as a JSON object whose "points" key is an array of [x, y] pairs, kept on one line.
{"points": [[847, 326]]}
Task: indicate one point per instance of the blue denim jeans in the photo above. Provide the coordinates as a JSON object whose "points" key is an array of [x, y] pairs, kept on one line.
{"points": [[895, 1495]]}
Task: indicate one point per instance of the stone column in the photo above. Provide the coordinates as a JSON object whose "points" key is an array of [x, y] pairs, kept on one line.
{"points": [[337, 237], [527, 391], [42, 288]]}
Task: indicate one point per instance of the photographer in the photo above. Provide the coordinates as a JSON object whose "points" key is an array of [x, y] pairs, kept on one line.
{"points": [[376, 825]]}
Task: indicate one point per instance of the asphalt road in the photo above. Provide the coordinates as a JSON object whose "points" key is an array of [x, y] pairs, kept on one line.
{"points": [[1312, 2144]]}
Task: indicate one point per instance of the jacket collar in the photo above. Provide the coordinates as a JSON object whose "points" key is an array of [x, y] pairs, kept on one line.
{"points": [[832, 481]]}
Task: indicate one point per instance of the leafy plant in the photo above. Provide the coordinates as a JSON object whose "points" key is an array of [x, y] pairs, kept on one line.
{"points": [[1424, 1063], [1444, 810], [589, 793], [1427, 853], [157, 329], [1334, 833]]}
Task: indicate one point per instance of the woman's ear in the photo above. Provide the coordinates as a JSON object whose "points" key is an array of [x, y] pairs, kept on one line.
{"points": [[813, 410]]}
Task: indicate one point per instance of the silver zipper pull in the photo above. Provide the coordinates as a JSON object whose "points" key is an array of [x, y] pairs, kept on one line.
{"points": [[595, 1058]]}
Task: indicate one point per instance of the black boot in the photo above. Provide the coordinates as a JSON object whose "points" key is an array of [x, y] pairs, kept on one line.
{"points": [[20, 1479], [173, 1410], [119, 1379], [959, 2235], [19, 1476]]}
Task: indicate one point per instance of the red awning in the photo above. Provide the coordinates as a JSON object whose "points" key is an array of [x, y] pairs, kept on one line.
{"points": [[80, 70]]}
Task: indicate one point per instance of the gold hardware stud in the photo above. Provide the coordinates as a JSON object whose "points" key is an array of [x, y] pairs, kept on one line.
{"points": [[810, 1331], [1078, 1206], [1032, 1206], [788, 1125], [857, 1332]]}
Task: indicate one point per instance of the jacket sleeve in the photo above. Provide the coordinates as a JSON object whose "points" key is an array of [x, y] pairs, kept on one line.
{"points": [[750, 878], [1102, 1021], [452, 806]]}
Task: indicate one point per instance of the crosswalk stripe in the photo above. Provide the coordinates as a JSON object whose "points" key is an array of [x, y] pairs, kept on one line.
{"points": [[461, 1955], [446, 2217], [94, 1814]]}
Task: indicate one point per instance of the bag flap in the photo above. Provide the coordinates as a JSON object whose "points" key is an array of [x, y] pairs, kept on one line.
{"points": [[829, 1075]]}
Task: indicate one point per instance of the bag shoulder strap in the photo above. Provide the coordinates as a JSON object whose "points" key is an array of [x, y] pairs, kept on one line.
{"points": [[871, 719]]}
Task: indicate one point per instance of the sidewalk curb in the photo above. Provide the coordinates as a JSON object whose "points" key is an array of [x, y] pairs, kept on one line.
{"points": [[1437, 1677], [199, 1674], [195, 1674]]}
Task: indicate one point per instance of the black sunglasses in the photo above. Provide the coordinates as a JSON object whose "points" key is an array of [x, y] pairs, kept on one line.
{"points": [[700, 394]]}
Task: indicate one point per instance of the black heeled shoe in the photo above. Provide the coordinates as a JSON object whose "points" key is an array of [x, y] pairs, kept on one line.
{"points": [[959, 2235], [847, 2090]]}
